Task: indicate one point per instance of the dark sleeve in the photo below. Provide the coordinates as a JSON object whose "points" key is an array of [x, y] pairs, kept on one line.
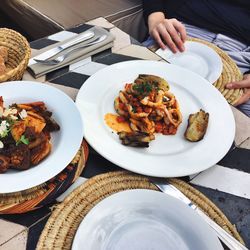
{"points": [[150, 6]]}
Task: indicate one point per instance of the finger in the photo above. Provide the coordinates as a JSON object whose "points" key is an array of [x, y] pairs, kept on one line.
{"points": [[239, 84], [181, 29], [157, 38], [243, 99], [175, 36], [167, 38]]}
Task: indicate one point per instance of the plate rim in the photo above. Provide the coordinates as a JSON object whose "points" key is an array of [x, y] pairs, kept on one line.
{"points": [[46, 175], [139, 170], [219, 68], [142, 195]]}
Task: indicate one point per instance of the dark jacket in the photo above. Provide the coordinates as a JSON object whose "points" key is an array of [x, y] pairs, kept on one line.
{"points": [[229, 17]]}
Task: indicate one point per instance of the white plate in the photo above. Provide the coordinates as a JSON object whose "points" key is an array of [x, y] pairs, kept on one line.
{"points": [[65, 142], [198, 58], [143, 219], [167, 156]]}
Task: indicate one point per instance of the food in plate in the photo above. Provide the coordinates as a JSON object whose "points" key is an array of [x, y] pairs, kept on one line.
{"points": [[3, 59], [197, 126], [24, 134], [116, 123], [145, 106], [136, 138]]}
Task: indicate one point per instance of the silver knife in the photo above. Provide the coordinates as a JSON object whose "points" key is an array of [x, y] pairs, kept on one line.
{"points": [[224, 236], [53, 52]]}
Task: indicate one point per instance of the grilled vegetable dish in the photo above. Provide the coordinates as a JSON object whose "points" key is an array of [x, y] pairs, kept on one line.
{"points": [[24, 134], [148, 107], [197, 126]]}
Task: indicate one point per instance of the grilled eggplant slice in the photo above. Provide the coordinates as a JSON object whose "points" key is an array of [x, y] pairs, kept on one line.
{"points": [[197, 126], [136, 138]]}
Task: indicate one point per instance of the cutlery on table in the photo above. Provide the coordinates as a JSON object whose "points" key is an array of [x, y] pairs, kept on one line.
{"points": [[54, 51], [224, 236], [61, 58]]}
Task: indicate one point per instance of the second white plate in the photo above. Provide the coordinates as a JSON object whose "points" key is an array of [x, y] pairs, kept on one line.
{"points": [[143, 219], [198, 58]]}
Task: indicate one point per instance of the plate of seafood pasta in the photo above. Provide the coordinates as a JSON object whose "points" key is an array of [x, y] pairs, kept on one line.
{"points": [[143, 219], [41, 130], [156, 119]]}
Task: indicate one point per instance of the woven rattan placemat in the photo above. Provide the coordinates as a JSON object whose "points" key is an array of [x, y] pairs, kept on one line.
{"points": [[66, 217], [230, 72], [36, 197]]}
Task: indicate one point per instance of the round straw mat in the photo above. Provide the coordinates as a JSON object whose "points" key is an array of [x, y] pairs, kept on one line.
{"points": [[36, 197], [66, 217], [230, 72]]}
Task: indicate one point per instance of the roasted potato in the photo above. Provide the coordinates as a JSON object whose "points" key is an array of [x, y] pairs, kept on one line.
{"points": [[18, 129], [36, 121]]}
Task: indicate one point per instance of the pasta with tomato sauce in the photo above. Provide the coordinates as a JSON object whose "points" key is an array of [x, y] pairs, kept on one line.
{"points": [[148, 106]]}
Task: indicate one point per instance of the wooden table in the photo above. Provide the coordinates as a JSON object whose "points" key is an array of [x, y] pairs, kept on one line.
{"points": [[227, 184]]}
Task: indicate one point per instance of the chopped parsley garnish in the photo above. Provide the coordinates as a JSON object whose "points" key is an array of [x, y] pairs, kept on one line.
{"points": [[23, 140], [143, 88]]}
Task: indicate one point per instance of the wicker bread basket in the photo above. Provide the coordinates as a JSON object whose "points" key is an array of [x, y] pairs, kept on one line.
{"points": [[18, 54]]}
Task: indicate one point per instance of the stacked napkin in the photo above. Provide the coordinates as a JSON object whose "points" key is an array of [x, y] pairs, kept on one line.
{"points": [[38, 69]]}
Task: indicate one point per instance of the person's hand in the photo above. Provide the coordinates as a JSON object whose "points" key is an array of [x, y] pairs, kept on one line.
{"points": [[167, 32], [245, 84]]}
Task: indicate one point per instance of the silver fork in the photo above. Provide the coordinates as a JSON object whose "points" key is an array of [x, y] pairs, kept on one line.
{"points": [[224, 236], [61, 58]]}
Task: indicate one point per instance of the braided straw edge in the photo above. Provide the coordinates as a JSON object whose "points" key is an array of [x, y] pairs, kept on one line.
{"points": [[67, 216], [17, 72]]}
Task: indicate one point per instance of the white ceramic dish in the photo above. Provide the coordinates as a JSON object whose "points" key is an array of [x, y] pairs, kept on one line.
{"points": [[65, 142], [143, 219], [198, 58], [167, 156]]}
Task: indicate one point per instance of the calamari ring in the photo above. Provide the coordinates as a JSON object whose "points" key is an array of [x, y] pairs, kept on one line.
{"points": [[171, 99], [171, 119], [118, 109], [136, 115], [158, 99]]}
